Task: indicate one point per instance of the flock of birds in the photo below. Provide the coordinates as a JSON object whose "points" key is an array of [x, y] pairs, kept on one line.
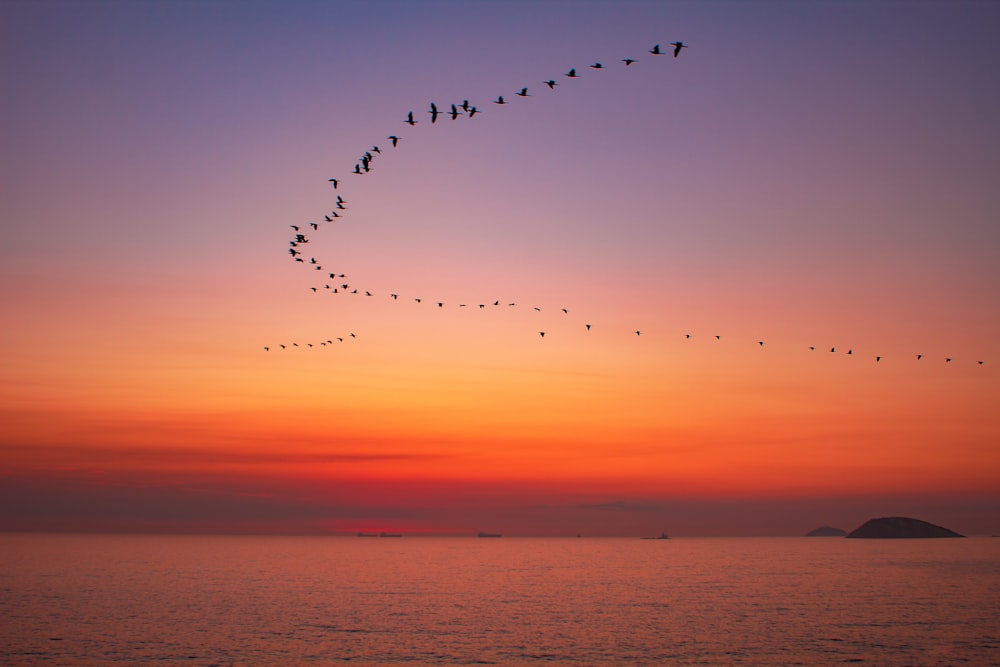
{"points": [[336, 283]]}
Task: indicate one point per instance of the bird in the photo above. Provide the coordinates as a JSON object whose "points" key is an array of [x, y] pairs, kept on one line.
{"points": [[454, 113], [637, 332], [572, 74], [812, 347], [597, 66], [629, 61], [980, 362], [656, 50], [523, 93], [266, 348], [718, 337], [281, 345], [850, 352], [833, 349], [341, 200], [314, 225], [295, 227], [551, 84], [409, 119], [878, 359], [417, 299], [376, 149], [542, 334], [440, 304], [588, 326], [357, 169], [334, 181], [677, 47], [919, 357], [473, 111], [394, 139], [394, 296], [565, 311], [947, 360], [433, 111], [499, 100], [687, 335], [465, 105], [761, 343]]}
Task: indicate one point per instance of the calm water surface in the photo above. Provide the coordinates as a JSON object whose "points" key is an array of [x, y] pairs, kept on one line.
{"points": [[105, 600]]}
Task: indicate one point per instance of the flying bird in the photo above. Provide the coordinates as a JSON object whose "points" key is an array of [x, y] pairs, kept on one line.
{"points": [[629, 61], [454, 113], [572, 74], [433, 112], [551, 84], [409, 119], [465, 105], [499, 100], [656, 51], [597, 66], [523, 93], [588, 326], [334, 181], [677, 47], [473, 111], [394, 139], [542, 334]]}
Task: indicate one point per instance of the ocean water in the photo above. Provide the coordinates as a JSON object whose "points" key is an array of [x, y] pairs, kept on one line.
{"points": [[192, 600]]}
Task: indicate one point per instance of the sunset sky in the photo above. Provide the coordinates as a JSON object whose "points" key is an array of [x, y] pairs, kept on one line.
{"points": [[804, 174]]}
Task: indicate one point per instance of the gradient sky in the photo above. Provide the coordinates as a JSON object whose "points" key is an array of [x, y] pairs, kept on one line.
{"points": [[804, 174]]}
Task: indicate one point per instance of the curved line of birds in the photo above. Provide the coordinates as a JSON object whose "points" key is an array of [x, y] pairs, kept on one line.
{"points": [[363, 166]]}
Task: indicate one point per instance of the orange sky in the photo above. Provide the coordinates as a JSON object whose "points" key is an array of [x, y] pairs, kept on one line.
{"points": [[764, 186]]}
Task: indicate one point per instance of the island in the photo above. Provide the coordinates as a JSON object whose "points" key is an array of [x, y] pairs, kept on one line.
{"points": [[826, 531], [899, 527]]}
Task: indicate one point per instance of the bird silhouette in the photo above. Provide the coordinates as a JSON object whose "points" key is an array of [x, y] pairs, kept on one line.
{"points": [[499, 100], [542, 334], [454, 113], [551, 84], [394, 139], [919, 357], [638, 333], [597, 66], [433, 112], [473, 111], [523, 93], [572, 74], [465, 105], [761, 343], [334, 181], [878, 359], [629, 61], [588, 326], [677, 47], [656, 50], [409, 119]]}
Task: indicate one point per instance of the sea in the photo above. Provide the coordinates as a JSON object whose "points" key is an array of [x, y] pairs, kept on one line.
{"points": [[68, 599]]}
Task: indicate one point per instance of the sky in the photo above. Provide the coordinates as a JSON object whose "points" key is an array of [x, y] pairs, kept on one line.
{"points": [[788, 214]]}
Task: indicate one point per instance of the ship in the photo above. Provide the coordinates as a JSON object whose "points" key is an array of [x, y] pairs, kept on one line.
{"points": [[481, 534], [661, 536], [390, 534], [360, 534]]}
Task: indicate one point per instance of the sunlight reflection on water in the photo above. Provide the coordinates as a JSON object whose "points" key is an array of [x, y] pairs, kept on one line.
{"points": [[103, 599]]}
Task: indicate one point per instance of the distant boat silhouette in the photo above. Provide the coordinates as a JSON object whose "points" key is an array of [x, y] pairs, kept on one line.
{"points": [[661, 536], [360, 534], [481, 534], [390, 534]]}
